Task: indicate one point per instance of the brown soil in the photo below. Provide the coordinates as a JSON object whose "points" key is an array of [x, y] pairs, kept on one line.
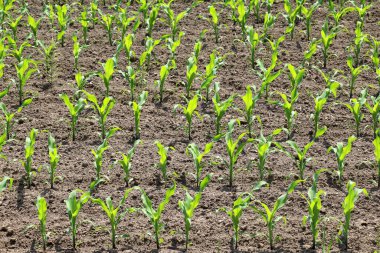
{"points": [[211, 228]]}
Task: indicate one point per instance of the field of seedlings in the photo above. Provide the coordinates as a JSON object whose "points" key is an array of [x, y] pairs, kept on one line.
{"points": [[200, 126]]}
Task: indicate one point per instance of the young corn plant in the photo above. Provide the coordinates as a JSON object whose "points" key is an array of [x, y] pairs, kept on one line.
{"points": [[348, 205], [253, 39], [98, 156], [189, 111], [53, 160], [338, 14], [235, 213], [360, 38], [341, 152], [94, 10], [155, 215], [173, 46], [234, 149], [300, 156], [243, 14], [41, 205], [84, 21], [130, 76], [114, 213], [63, 22], [48, 51], [374, 110], [197, 156], [310, 52], [164, 73], [137, 108], [268, 75], [107, 21], [145, 57], [269, 215], [264, 147], [162, 151], [191, 73], [214, 21], [74, 110], [327, 40], [77, 49], [14, 24], [250, 99], [102, 110], [269, 21], [17, 52], [210, 74], [332, 85], [355, 107], [8, 116], [307, 14], [73, 207], [5, 11], [376, 144], [108, 69], [355, 72], [126, 162], [188, 206], [34, 27], [291, 16], [314, 205], [319, 102], [127, 46], [24, 72], [151, 20], [172, 19], [29, 151], [3, 183], [220, 109]]}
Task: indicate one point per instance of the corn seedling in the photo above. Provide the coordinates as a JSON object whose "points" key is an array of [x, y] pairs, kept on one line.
{"points": [[348, 206], [220, 109], [319, 102], [126, 162], [151, 20], [29, 151], [102, 110], [94, 13], [191, 73], [41, 205], [374, 110], [77, 48], [127, 46], [355, 107], [253, 39], [137, 108], [114, 213], [307, 13], [164, 73], [331, 84], [234, 148], [339, 14], [98, 156], [3, 183], [34, 26], [355, 72], [17, 52], [63, 22], [269, 216], [48, 51], [107, 21], [155, 215], [188, 206], [360, 38], [108, 69], [210, 74], [189, 111], [172, 19], [53, 160], [291, 16], [243, 14], [250, 99], [150, 44], [265, 74], [50, 14], [241, 203], [376, 144], [8, 116], [310, 52], [255, 7], [327, 40], [314, 205], [74, 110], [214, 21], [197, 156], [130, 76], [300, 156], [362, 11], [73, 207], [162, 151], [269, 21], [24, 72], [264, 147], [341, 152], [13, 24], [84, 21], [172, 46], [5, 11], [124, 21]]}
